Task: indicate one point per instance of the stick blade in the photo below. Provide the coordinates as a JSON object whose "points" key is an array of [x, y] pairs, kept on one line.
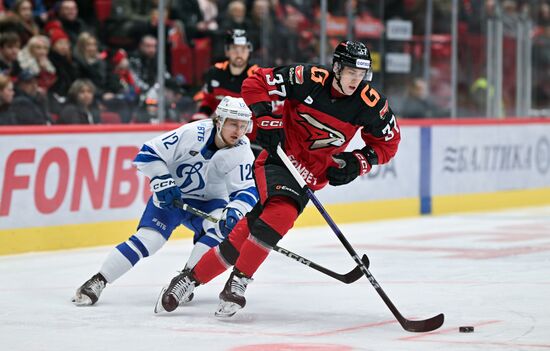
{"points": [[423, 326], [356, 273]]}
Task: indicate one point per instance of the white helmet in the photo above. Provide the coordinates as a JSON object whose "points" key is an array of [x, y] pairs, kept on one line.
{"points": [[234, 108]]}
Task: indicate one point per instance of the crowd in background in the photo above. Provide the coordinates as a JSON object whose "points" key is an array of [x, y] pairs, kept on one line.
{"points": [[87, 62]]}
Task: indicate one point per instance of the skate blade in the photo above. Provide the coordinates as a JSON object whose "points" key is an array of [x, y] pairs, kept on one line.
{"points": [[158, 306], [227, 309], [81, 300]]}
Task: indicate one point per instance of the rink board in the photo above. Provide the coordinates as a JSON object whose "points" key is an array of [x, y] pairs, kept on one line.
{"points": [[68, 187]]}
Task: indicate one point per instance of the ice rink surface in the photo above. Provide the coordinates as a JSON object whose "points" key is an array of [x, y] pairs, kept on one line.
{"points": [[490, 271]]}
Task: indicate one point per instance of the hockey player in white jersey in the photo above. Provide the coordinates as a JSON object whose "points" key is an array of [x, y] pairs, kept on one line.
{"points": [[206, 164]]}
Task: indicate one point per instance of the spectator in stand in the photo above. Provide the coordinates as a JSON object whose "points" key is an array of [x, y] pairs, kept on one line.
{"points": [[67, 14], [51, 25], [510, 17], [190, 15], [34, 58], [235, 17], [28, 106], [87, 11], [10, 45], [121, 69], [22, 13], [7, 117], [144, 63], [91, 64], [131, 10], [178, 101], [209, 11], [126, 20], [61, 58], [39, 9], [178, 105], [542, 14], [81, 106], [417, 103]]}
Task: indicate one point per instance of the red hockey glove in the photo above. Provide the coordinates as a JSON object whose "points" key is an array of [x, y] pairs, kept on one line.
{"points": [[352, 164]]}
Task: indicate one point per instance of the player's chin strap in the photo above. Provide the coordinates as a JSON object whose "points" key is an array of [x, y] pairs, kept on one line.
{"points": [[425, 325], [346, 278], [338, 76]]}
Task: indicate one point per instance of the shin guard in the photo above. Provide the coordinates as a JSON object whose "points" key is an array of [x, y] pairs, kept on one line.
{"points": [[275, 221]]}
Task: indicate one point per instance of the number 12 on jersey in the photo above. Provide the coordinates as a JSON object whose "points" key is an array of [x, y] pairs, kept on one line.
{"points": [[246, 172]]}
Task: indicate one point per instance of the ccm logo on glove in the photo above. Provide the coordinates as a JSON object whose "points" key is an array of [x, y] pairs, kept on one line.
{"points": [[269, 122], [156, 186], [165, 191], [363, 163]]}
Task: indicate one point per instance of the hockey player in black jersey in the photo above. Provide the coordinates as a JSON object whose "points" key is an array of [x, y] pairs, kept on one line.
{"points": [[225, 78], [323, 109]]}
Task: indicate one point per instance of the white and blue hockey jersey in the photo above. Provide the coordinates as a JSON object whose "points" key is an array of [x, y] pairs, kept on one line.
{"points": [[202, 171]]}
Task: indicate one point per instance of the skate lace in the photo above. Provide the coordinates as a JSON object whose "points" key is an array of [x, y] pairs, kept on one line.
{"points": [[238, 285], [96, 285], [180, 287]]}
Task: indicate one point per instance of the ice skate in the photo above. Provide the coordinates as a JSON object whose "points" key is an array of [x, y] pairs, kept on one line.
{"points": [[232, 296], [180, 289], [158, 305], [89, 292]]}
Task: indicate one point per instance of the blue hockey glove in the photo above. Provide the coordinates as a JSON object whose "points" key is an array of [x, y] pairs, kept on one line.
{"points": [[230, 217], [165, 191]]}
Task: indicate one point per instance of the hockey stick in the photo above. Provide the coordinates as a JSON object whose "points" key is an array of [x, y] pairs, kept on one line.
{"points": [[425, 325], [347, 278]]}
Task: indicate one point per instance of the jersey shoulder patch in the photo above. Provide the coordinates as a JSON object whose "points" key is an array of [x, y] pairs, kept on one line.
{"points": [[251, 70], [319, 74], [222, 65], [300, 74]]}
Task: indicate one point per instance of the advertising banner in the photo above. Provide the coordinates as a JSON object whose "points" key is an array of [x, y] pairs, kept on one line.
{"points": [[54, 179], [490, 158]]}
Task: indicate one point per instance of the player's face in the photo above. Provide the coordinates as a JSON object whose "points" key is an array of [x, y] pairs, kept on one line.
{"points": [[350, 78], [233, 130], [238, 55]]}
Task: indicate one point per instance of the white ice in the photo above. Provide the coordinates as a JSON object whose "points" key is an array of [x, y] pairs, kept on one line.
{"points": [[490, 271]]}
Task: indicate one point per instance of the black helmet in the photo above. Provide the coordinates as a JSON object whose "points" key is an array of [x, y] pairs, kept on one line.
{"points": [[236, 37], [353, 54]]}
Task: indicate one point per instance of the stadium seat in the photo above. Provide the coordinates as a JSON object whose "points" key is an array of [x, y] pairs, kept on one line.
{"points": [[108, 117]]}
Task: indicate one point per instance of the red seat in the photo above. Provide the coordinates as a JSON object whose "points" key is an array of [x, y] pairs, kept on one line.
{"points": [[108, 117], [102, 9]]}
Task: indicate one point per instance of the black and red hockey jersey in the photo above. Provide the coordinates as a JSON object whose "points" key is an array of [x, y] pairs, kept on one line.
{"points": [[317, 125], [219, 82]]}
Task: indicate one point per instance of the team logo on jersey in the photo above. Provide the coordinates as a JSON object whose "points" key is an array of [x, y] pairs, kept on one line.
{"points": [[193, 153], [291, 75], [214, 83], [299, 74], [308, 100], [192, 177], [321, 135]]}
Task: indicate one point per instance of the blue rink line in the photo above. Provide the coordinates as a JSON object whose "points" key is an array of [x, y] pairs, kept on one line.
{"points": [[425, 170]]}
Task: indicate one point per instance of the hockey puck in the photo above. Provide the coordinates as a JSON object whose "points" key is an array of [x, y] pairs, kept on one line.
{"points": [[466, 329]]}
